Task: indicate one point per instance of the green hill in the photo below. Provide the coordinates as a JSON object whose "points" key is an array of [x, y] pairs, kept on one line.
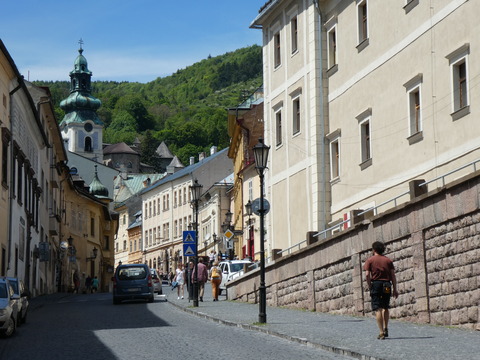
{"points": [[187, 110]]}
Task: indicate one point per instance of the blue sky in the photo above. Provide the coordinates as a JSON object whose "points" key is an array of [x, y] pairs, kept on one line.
{"points": [[123, 40]]}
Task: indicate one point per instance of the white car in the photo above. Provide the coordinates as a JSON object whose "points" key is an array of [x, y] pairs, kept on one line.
{"points": [[8, 308], [231, 269]]}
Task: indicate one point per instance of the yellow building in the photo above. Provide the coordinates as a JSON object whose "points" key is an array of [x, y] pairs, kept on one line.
{"points": [[245, 127]]}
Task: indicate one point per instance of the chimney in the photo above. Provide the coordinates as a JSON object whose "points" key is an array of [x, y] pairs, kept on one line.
{"points": [[192, 160], [213, 150], [201, 156]]}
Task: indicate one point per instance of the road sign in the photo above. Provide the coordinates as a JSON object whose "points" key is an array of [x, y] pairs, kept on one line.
{"points": [[229, 234], [189, 249], [229, 244], [256, 206], [189, 236]]}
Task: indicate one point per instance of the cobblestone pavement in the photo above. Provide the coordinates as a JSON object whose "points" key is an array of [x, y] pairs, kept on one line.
{"points": [[347, 335]]}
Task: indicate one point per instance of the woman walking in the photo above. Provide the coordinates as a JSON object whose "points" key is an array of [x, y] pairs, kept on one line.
{"points": [[216, 279], [180, 279]]}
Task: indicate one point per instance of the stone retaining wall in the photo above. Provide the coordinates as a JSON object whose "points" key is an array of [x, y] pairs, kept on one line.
{"points": [[434, 241]]}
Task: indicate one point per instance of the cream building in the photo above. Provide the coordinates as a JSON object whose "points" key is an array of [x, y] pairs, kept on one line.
{"points": [[401, 94], [297, 182], [167, 210], [364, 99]]}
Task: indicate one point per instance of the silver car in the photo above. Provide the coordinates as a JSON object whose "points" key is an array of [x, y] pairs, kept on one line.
{"points": [[157, 282], [8, 308], [22, 293]]}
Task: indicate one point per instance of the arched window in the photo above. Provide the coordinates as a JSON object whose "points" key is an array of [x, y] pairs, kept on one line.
{"points": [[88, 144]]}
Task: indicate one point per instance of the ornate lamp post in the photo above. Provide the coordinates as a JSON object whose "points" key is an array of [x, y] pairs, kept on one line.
{"points": [[260, 152], [249, 211], [196, 190]]}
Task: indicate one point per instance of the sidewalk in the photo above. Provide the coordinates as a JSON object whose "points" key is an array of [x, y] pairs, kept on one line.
{"points": [[347, 335]]}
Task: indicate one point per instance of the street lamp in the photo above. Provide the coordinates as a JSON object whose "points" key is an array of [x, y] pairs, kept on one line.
{"points": [[249, 211], [260, 151], [94, 254], [195, 191]]}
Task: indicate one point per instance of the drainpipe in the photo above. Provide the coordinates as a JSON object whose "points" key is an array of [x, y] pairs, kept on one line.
{"points": [[12, 159], [323, 220]]}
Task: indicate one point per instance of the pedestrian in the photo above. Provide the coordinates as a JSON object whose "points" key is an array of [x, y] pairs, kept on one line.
{"points": [[76, 282], [211, 258], [171, 275], [88, 284], [201, 278], [380, 275], [180, 280], [216, 279], [188, 279], [94, 284]]}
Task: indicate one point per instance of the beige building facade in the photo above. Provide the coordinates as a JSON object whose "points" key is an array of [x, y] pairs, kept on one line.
{"points": [[167, 210], [296, 181], [401, 96], [362, 101]]}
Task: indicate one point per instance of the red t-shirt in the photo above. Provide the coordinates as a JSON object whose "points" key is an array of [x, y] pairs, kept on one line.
{"points": [[380, 267]]}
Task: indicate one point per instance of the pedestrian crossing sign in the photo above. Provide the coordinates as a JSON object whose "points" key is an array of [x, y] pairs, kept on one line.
{"points": [[189, 236], [189, 249]]}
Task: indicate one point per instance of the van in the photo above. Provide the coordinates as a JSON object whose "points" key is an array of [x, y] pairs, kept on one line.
{"points": [[132, 282]]}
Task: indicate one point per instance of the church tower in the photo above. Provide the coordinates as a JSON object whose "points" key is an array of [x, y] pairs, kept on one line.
{"points": [[81, 127]]}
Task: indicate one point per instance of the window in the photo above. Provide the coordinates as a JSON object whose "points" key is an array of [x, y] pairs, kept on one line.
{"points": [[410, 4], [365, 134], [124, 219], [294, 34], [458, 61], [92, 226], [334, 139], [331, 26], [362, 20], [250, 190], [88, 144], [278, 126], [413, 88], [277, 50], [335, 161], [154, 207], [364, 121], [296, 115], [415, 116], [149, 209], [154, 236], [5, 144]]}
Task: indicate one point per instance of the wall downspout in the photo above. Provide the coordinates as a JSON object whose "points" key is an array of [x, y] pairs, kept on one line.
{"points": [[323, 218], [12, 159]]}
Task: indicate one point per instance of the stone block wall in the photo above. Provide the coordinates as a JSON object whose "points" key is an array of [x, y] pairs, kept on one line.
{"points": [[433, 240]]}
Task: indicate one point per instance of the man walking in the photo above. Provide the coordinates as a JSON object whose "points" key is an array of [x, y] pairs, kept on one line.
{"points": [[202, 277], [380, 274]]}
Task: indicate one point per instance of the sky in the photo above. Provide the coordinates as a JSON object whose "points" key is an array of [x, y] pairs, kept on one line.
{"points": [[136, 41]]}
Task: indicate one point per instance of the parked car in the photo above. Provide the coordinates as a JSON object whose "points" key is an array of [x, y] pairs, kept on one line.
{"points": [[23, 295], [8, 308], [132, 282], [232, 269], [157, 282]]}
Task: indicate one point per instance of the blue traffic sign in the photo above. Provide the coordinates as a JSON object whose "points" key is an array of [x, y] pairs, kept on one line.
{"points": [[189, 249], [189, 236]]}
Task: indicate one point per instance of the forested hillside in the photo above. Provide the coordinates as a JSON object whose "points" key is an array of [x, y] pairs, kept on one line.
{"points": [[187, 110]]}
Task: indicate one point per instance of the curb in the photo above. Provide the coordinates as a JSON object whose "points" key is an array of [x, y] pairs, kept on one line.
{"points": [[302, 341]]}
